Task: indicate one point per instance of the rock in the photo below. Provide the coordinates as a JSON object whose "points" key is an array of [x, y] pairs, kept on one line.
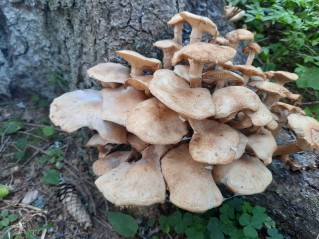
{"points": [[30, 197]]}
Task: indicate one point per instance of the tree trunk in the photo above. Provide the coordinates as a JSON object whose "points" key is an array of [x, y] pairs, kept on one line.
{"points": [[46, 46]]}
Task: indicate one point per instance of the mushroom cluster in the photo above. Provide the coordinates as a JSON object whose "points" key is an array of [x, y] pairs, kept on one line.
{"points": [[198, 121]]}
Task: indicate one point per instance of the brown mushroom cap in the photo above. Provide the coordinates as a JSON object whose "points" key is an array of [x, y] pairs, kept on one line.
{"points": [[169, 47], [233, 99], [118, 102], [136, 142], [222, 78], [136, 184], [306, 130], [110, 161], [190, 184], [182, 71], [212, 142], [175, 93], [139, 62], [200, 25], [96, 140], [247, 70], [252, 47], [245, 176], [239, 35], [140, 82], [176, 19], [108, 73], [155, 123], [282, 77], [202, 52], [269, 87], [82, 108], [263, 145], [260, 117]]}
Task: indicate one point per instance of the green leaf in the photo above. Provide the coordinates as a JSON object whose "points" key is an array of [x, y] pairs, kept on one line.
{"points": [[29, 235], [244, 219], [13, 127], [247, 207], [5, 222], [193, 233], [123, 224], [4, 213], [308, 77], [55, 152], [37, 229], [48, 131], [13, 217], [213, 227], [250, 232], [237, 204], [225, 209], [163, 220], [51, 176], [21, 143], [43, 159], [256, 222], [4, 191], [175, 218], [19, 155], [35, 98]]}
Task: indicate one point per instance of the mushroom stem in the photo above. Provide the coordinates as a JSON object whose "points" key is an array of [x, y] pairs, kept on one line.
{"points": [[233, 45], [271, 99], [287, 149], [136, 71], [195, 74], [167, 59], [196, 35], [250, 58], [178, 30]]}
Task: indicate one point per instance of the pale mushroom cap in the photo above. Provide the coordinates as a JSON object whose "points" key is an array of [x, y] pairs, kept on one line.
{"points": [[155, 123], [212, 142], [191, 186], [245, 176], [110, 161], [118, 102], [306, 130], [202, 52], [261, 117], [233, 99], [82, 108], [252, 46], [182, 71], [96, 140], [247, 70], [109, 73], [140, 82], [239, 35], [282, 77], [136, 59], [203, 24], [270, 87], [222, 41], [215, 76], [243, 140], [176, 19], [136, 184], [263, 145], [175, 93], [136, 142], [280, 108], [169, 45]]}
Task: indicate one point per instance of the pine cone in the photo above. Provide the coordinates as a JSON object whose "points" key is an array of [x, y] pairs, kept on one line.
{"points": [[67, 194]]}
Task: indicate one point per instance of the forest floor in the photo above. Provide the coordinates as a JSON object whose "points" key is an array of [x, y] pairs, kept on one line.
{"points": [[30, 165]]}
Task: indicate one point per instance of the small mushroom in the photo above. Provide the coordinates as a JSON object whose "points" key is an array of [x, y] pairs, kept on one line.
{"points": [[82, 108], [200, 25], [140, 82], [190, 184], [175, 93], [247, 71], [282, 77], [139, 63], [200, 53], [155, 123], [169, 47], [177, 21], [252, 48], [111, 75], [239, 35], [245, 176], [222, 78]]}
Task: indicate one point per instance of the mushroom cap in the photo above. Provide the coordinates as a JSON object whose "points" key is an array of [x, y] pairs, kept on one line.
{"points": [[190, 184], [222, 41], [182, 71], [155, 123], [169, 45], [136, 59], [245, 176], [82, 108], [137, 184], [306, 130], [215, 76], [233, 99], [282, 110], [239, 35], [118, 102], [110, 161], [96, 140], [140, 82], [202, 52], [282, 77], [175, 93], [263, 145], [202, 24], [212, 142], [247, 70], [240, 150], [241, 121], [260, 117], [176, 19], [252, 46], [136, 142], [109, 73], [270, 87]]}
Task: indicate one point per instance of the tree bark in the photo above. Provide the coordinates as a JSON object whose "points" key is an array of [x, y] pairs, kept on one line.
{"points": [[47, 43]]}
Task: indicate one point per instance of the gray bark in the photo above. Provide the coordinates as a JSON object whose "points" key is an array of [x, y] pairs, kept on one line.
{"points": [[45, 41]]}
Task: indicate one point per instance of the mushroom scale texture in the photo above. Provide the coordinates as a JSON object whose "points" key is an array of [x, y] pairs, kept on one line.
{"points": [[161, 131]]}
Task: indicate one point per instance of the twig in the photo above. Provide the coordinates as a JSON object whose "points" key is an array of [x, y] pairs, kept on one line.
{"points": [[33, 135], [102, 223], [38, 149], [33, 155], [310, 103], [33, 208]]}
